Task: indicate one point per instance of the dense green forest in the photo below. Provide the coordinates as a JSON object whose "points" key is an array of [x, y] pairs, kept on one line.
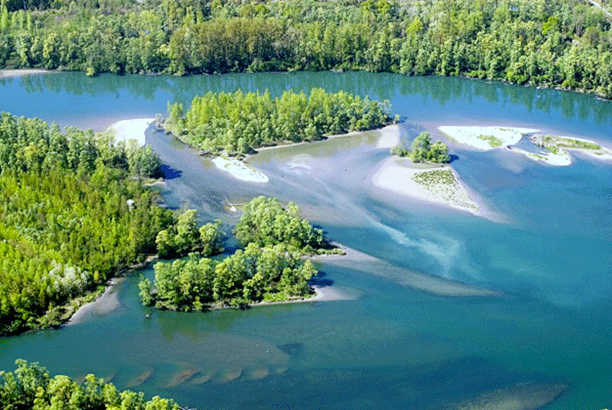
{"points": [[30, 387], [424, 151], [238, 122], [73, 212], [270, 267], [563, 43]]}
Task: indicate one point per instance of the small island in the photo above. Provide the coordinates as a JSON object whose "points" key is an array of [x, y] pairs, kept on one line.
{"points": [[229, 126], [270, 268]]}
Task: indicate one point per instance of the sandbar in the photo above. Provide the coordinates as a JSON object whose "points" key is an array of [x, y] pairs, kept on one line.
{"points": [[322, 294], [134, 129], [359, 261], [562, 159], [389, 137], [21, 72], [433, 183], [602, 153], [240, 170], [486, 138]]}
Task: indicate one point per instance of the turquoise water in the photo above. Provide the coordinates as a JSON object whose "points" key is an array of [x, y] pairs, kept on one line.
{"points": [[393, 347]]}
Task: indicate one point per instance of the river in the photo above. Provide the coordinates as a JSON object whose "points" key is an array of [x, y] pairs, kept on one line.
{"points": [[548, 257]]}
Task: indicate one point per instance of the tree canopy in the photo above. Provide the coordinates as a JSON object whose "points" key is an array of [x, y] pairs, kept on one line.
{"points": [[238, 122], [424, 151]]}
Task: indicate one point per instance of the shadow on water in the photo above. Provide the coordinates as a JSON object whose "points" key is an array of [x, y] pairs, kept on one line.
{"points": [[170, 173]]}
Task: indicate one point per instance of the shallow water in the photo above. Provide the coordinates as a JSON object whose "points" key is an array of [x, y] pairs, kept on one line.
{"points": [[394, 347]]}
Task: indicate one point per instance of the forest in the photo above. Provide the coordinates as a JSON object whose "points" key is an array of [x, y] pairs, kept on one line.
{"points": [[553, 43], [30, 387], [237, 122], [74, 212], [270, 268]]}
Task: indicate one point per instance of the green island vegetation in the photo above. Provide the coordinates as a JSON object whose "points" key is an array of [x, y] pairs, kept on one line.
{"points": [[238, 122], [30, 387], [553, 43], [435, 177], [270, 268], [424, 151], [185, 237], [492, 140], [74, 212], [569, 143]]}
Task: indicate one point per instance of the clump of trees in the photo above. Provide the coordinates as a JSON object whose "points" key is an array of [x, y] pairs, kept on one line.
{"points": [[73, 212], [31, 387], [424, 151], [237, 122], [253, 275], [185, 237], [270, 268]]}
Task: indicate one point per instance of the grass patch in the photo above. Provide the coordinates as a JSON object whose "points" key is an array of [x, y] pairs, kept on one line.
{"points": [[437, 177], [572, 143], [493, 141]]}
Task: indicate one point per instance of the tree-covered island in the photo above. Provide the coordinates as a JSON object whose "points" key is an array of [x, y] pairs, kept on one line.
{"points": [[424, 151], [237, 123], [270, 268]]}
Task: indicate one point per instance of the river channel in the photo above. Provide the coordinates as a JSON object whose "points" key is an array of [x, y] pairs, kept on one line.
{"points": [[547, 255]]}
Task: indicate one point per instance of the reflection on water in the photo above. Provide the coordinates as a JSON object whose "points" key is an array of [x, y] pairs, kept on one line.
{"points": [[548, 327]]}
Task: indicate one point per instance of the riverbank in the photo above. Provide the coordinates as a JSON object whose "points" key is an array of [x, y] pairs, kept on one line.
{"points": [[106, 303], [438, 184], [22, 72], [133, 129]]}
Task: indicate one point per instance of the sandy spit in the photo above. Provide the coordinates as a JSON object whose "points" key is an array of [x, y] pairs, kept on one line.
{"points": [[106, 303], [21, 72], [133, 129], [389, 137], [240, 170], [397, 175]]}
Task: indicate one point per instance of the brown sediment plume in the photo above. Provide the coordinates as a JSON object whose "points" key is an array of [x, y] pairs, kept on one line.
{"points": [[202, 378], [257, 373], [137, 381], [183, 377], [229, 375]]}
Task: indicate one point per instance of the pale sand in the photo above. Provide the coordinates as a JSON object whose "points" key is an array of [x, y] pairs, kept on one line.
{"points": [[469, 135], [322, 294], [359, 261], [389, 137], [131, 130], [397, 175], [240, 170], [108, 302], [559, 160], [21, 72]]}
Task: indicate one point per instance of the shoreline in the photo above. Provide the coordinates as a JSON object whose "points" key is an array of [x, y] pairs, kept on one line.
{"points": [[106, 303], [240, 170], [398, 175], [486, 138], [22, 72], [322, 294], [132, 129]]}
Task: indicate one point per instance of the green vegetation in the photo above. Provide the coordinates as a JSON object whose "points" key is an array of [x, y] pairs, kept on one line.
{"points": [[492, 140], [270, 267], [563, 43], [424, 151], [71, 216], [31, 387], [239, 122], [570, 143], [436, 177]]}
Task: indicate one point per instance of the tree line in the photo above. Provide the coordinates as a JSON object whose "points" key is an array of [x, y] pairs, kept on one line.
{"points": [[236, 123], [424, 151], [73, 212], [564, 43], [270, 268], [30, 387]]}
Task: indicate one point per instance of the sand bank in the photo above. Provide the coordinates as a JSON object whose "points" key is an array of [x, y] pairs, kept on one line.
{"points": [[432, 183], [131, 129], [362, 262], [322, 294], [21, 72], [108, 302], [589, 147], [560, 159], [240, 170], [389, 137], [486, 138]]}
